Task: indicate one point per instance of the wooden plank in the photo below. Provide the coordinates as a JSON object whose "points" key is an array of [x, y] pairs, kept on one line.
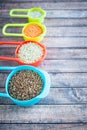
{"points": [[52, 53], [55, 13], [45, 5], [43, 126], [66, 31], [57, 65], [43, 114], [59, 80], [61, 42], [58, 96], [57, 31], [68, 79], [8, 63], [13, 1], [73, 42], [49, 22], [64, 65], [57, 54]]}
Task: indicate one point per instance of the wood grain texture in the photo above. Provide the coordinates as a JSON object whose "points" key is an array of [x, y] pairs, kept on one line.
{"points": [[56, 13], [58, 96], [64, 65], [65, 42], [13, 1], [43, 126], [65, 108], [49, 22], [43, 114], [60, 65], [45, 5]]}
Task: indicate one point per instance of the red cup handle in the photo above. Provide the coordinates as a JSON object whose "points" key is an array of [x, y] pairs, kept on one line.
{"points": [[9, 58], [9, 42]]}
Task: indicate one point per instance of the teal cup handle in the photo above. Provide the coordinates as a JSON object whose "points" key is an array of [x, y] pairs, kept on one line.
{"points": [[4, 69]]}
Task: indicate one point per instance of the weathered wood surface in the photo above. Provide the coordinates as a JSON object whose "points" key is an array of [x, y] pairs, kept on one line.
{"points": [[65, 108], [13, 1], [45, 5], [43, 126], [53, 22], [57, 13], [58, 66], [43, 114], [77, 42]]}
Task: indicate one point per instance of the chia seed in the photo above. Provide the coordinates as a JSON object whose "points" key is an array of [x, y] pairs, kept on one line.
{"points": [[25, 85]]}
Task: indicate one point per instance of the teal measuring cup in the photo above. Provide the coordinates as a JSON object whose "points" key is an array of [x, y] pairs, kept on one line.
{"points": [[33, 14], [45, 89]]}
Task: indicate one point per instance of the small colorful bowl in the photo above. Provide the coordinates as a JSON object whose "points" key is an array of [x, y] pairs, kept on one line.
{"points": [[33, 14], [45, 89], [31, 31], [20, 44]]}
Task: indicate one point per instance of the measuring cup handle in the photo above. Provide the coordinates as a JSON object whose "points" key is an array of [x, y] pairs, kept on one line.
{"points": [[12, 25], [11, 43], [9, 58], [6, 68], [48, 84], [13, 11], [3, 68], [4, 95]]}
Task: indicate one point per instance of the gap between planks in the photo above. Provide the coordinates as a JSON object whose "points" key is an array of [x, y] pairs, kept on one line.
{"points": [[42, 126]]}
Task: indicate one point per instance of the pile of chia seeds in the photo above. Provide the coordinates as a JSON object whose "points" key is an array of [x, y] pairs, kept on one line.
{"points": [[25, 85]]}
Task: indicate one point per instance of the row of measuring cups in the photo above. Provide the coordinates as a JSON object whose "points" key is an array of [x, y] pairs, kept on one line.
{"points": [[33, 33], [33, 42], [34, 30]]}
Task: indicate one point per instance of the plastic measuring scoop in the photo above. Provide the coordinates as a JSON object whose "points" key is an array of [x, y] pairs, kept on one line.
{"points": [[17, 59], [33, 14], [31, 31], [45, 89]]}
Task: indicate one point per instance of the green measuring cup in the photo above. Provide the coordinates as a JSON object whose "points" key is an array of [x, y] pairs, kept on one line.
{"points": [[33, 14], [25, 31]]}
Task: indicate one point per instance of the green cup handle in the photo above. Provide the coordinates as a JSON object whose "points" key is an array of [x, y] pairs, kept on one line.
{"points": [[12, 25], [13, 11]]}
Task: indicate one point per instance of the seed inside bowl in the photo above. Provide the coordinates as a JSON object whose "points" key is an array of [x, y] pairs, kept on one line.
{"points": [[25, 85], [35, 14], [33, 30], [30, 52]]}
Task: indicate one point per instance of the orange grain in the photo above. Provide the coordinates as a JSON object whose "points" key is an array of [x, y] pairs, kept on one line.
{"points": [[33, 30]]}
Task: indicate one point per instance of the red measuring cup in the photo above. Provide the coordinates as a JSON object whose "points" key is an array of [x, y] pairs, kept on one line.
{"points": [[17, 59]]}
